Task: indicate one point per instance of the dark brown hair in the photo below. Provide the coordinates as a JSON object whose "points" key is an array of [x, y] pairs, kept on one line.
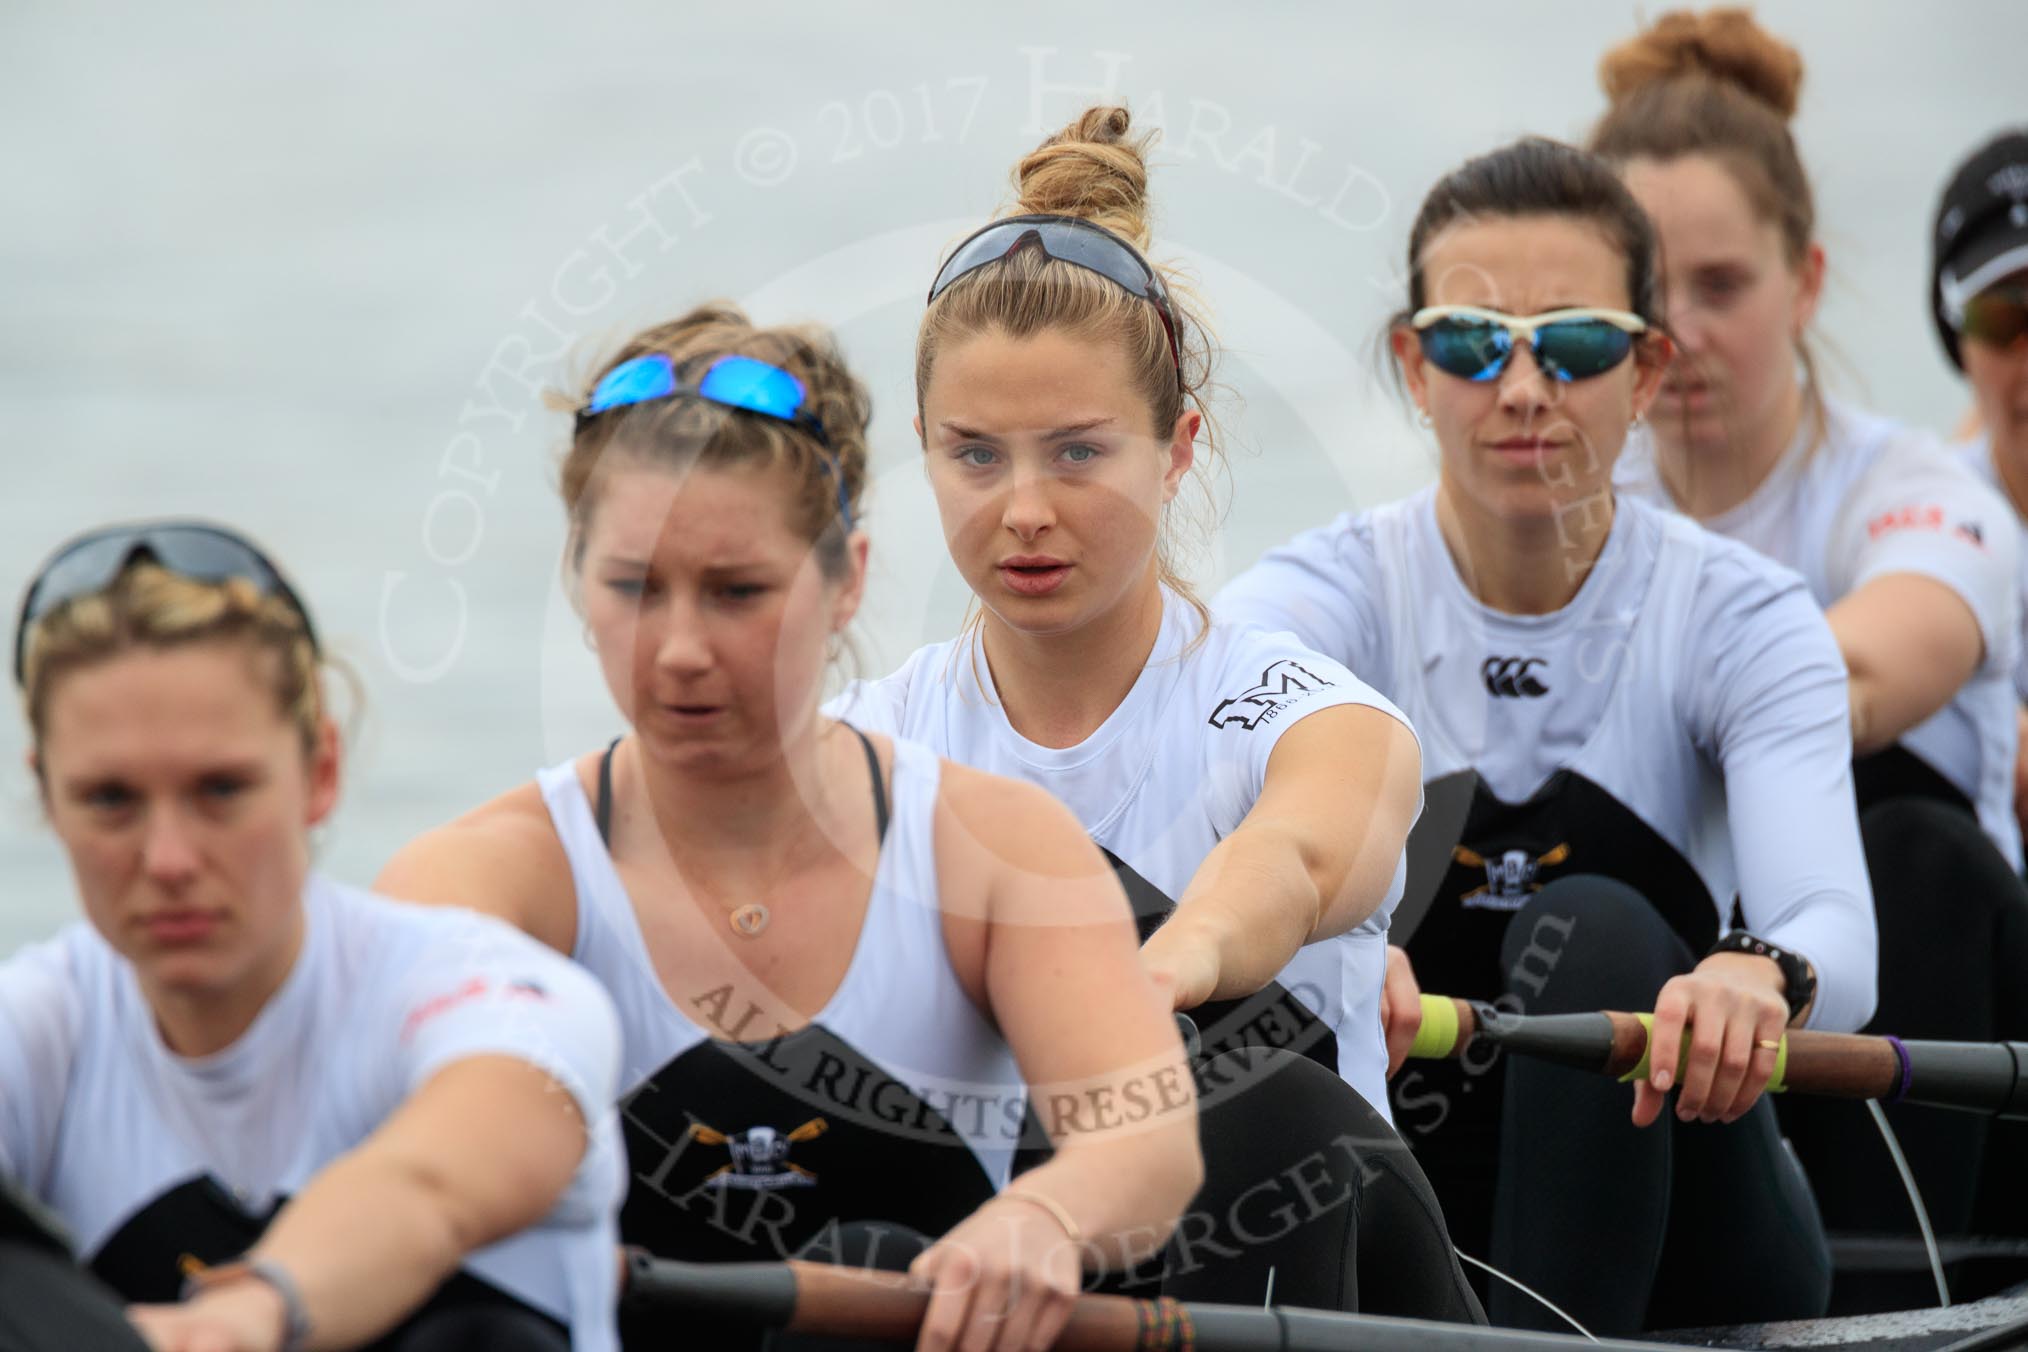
{"points": [[1538, 177]]}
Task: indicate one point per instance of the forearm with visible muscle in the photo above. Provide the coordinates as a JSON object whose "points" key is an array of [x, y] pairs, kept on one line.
{"points": [[366, 1243], [1256, 900]]}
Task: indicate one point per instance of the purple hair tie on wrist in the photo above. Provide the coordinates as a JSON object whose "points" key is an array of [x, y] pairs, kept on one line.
{"points": [[1901, 1055]]}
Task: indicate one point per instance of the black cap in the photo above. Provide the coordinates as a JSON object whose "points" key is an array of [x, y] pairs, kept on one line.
{"points": [[1981, 230]]}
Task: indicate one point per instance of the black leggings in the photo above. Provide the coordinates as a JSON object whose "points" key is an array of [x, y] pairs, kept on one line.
{"points": [[1625, 1227], [1953, 964], [1302, 1180]]}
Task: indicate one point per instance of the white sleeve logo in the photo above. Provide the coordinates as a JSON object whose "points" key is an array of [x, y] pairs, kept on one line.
{"points": [[1279, 686]]}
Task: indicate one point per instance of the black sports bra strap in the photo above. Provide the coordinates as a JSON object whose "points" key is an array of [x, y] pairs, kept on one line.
{"points": [[879, 784], [603, 812]]}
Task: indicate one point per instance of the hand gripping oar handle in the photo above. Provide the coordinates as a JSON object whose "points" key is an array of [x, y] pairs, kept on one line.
{"points": [[827, 1301], [1985, 1077]]}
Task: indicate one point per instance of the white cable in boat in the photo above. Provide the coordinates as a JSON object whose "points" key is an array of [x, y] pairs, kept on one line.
{"points": [[1943, 1290], [1528, 1291]]}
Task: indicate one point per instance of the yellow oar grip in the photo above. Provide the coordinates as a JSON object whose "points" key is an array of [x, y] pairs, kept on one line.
{"points": [[1640, 1070], [1438, 1036]]}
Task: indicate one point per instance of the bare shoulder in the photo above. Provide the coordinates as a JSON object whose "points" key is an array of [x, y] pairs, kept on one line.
{"points": [[1013, 821], [502, 858]]}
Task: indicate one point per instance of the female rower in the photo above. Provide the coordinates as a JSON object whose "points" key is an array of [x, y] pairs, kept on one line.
{"points": [[1255, 797], [322, 1118], [1912, 559], [1979, 294], [1628, 775], [830, 950]]}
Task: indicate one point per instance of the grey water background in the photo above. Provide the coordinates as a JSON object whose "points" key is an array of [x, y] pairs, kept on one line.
{"points": [[309, 270]]}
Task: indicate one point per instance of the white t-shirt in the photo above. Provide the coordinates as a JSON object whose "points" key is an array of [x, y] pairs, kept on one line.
{"points": [[1690, 683], [102, 1122], [1977, 456], [1174, 770], [1878, 498]]}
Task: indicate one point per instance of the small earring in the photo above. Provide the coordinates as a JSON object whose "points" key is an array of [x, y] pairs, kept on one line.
{"points": [[1422, 416], [1636, 420]]}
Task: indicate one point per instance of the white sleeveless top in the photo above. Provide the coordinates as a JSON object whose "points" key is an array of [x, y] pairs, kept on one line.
{"points": [[1690, 683], [900, 1007], [140, 1151], [1877, 498], [1173, 770]]}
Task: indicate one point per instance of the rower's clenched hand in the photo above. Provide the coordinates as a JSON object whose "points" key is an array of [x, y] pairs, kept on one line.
{"points": [[247, 1316], [1003, 1281], [1734, 1008], [1184, 965], [1400, 1007]]}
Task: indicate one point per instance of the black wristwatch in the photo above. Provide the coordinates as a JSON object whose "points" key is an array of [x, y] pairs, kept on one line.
{"points": [[1799, 979]]}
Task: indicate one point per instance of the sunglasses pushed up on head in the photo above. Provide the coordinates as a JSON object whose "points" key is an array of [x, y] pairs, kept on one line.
{"points": [[1474, 343], [196, 550], [1067, 239], [747, 384]]}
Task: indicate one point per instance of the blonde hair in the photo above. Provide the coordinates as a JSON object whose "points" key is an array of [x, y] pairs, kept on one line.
{"points": [[1718, 84], [148, 606], [679, 433], [1095, 170]]}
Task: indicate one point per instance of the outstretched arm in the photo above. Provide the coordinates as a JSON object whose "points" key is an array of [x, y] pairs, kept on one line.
{"points": [[484, 1149], [1318, 853], [1054, 956], [1910, 643]]}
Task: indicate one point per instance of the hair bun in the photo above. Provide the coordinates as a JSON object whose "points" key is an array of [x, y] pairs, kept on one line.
{"points": [[1093, 169], [1720, 44]]}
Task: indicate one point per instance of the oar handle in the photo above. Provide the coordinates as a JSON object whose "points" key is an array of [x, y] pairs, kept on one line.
{"points": [[827, 1301], [850, 1302], [1842, 1065]]}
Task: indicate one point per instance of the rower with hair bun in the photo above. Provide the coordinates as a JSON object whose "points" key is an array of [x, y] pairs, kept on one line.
{"points": [[1911, 557], [1254, 796], [319, 1118]]}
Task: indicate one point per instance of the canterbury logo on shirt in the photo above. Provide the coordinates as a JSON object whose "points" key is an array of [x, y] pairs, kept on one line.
{"points": [[1513, 676], [1279, 686], [1924, 518]]}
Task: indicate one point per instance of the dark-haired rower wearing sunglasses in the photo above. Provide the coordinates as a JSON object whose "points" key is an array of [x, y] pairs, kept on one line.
{"points": [[319, 1118], [1648, 721], [1980, 294]]}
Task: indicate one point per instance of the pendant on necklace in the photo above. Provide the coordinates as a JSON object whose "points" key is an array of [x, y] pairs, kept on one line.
{"points": [[750, 919]]}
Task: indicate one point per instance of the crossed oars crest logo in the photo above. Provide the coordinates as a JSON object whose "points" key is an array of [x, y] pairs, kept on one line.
{"points": [[760, 1155]]}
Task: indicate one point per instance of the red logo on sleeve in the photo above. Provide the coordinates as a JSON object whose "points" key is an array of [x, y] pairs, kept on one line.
{"points": [[436, 1005], [1905, 518]]}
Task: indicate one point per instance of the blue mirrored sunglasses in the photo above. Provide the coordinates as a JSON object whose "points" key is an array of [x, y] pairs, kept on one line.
{"points": [[745, 383]]}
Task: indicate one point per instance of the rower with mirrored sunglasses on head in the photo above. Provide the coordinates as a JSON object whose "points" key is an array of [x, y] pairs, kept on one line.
{"points": [[1253, 796], [1646, 721], [319, 1118], [1913, 560], [842, 963]]}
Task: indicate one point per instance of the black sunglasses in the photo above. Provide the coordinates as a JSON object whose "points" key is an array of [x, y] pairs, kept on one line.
{"points": [[1068, 239], [92, 562]]}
